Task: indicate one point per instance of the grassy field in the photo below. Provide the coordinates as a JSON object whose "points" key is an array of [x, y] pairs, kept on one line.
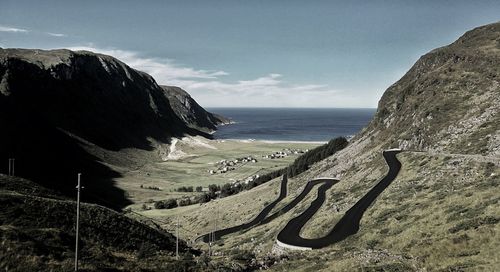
{"points": [[192, 168]]}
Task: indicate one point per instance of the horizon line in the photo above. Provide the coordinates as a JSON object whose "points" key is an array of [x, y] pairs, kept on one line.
{"points": [[250, 107]]}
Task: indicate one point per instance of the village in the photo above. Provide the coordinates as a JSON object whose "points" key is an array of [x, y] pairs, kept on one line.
{"points": [[224, 166], [284, 153]]}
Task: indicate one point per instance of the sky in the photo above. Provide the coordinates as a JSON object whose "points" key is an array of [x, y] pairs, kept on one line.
{"points": [[235, 53]]}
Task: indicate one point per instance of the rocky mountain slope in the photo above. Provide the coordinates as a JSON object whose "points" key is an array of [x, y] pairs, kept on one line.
{"points": [[449, 101], [441, 213], [65, 112], [191, 112]]}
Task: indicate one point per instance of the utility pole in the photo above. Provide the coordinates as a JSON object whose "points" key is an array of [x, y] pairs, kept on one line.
{"points": [[177, 240], [216, 219], [215, 226], [210, 244], [78, 187], [13, 167]]}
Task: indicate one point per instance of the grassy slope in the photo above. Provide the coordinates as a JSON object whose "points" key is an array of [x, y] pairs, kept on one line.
{"points": [[37, 233], [441, 213], [435, 215]]}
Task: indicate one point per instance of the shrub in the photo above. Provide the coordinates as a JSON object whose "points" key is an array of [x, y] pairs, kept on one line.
{"points": [[151, 188], [213, 188], [371, 244], [312, 156], [166, 204], [490, 167], [185, 202], [242, 255], [227, 190], [474, 223], [185, 189], [203, 198]]}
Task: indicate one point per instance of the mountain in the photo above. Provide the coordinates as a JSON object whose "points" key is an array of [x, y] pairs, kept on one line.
{"points": [[448, 101], [441, 213], [65, 112], [191, 112]]}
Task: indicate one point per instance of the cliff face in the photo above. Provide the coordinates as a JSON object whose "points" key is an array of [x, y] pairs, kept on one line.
{"points": [[191, 112], [448, 101], [93, 96], [57, 107]]}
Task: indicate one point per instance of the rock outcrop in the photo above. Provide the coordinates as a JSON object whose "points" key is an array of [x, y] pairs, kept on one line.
{"points": [[191, 112]]}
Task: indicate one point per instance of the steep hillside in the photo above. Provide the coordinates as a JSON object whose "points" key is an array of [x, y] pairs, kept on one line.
{"points": [[37, 233], [191, 112], [65, 112], [448, 101], [442, 211]]}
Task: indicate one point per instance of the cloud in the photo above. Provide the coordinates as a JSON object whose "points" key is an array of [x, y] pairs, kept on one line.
{"points": [[56, 34], [211, 89], [163, 70], [12, 29], [22, 30]]}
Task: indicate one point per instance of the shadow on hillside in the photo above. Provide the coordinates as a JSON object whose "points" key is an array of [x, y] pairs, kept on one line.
{"points": [[53, 159], [111, 110]]}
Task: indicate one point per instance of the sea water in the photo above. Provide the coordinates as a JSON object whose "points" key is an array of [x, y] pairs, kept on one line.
{"points": [[291, 124]]}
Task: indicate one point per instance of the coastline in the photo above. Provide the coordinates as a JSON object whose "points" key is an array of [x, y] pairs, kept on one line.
{"points": [[271, 141]]}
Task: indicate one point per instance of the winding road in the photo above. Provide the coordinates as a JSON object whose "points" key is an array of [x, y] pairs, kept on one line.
{"points": [[218, 234], [349, 223], [346, 226]]}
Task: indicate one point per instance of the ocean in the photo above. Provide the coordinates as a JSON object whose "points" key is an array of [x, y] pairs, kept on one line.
{"points": [[291, 124]]}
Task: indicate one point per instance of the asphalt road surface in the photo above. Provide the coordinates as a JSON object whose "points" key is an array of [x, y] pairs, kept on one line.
{"points": [[219, 233], [262, 217], [349, 223]]}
